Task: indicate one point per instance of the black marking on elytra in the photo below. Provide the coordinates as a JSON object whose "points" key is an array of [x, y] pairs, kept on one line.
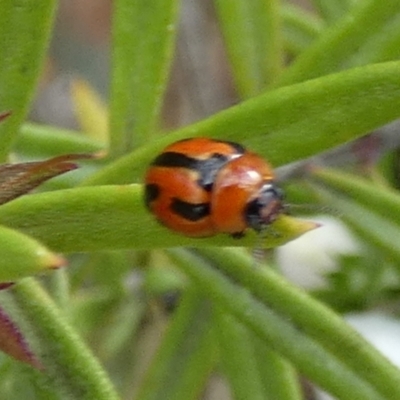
{"points": [[191, 212], [207, 169], [171, 159], [253, 212], [151, 192]]}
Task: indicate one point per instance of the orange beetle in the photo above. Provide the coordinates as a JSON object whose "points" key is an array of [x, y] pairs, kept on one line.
{"points": [[201, 187]]}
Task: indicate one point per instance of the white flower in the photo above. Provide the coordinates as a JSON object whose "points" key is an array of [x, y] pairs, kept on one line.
{"points": [[307, 259]]}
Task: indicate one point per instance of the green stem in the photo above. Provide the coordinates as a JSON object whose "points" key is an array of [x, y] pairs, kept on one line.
{"points": [[313, 318], [278, 332], [68, 364]]}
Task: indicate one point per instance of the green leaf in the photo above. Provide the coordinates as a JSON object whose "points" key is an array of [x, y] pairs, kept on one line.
{"points": [[331, 10], [68, 365], [383, 46], [310, 318], [22, 256], [25, 28], [143, 37], [238, 358], [280, 379], [252, 34], [40, 141], [186, 356], [378, 231], [281, 315], [385, 201], [300, 28], [289, 123], [370, 210], [342, 46], [114, 217]]}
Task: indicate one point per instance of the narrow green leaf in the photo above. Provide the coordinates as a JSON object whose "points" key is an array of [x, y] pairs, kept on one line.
{"points": [[382, 200], [331, 10], [300, 28], [41, 141], [379, 232], [25, 28], [279, 332], [374, 224], [238, 358], [114, 328], [289, 123], [338, 47], [143, 38], [114, 217], [22, 256], [186, 356], [252, 32], [280, 379], [68, 365], [383, 46], [312, 318]]}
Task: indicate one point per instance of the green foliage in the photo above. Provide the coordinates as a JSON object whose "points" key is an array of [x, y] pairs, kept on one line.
{"points": [[24, 32], [229, 316], [143, 39]]}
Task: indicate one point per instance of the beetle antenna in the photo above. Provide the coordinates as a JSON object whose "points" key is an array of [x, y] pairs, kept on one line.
{"points": [[313, 207]]}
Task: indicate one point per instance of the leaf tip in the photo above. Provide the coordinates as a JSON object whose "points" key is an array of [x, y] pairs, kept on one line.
{"points": [[287, 228], [52, 261]]}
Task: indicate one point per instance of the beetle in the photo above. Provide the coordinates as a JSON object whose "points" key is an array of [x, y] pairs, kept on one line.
{"points": [[200, 187]]}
